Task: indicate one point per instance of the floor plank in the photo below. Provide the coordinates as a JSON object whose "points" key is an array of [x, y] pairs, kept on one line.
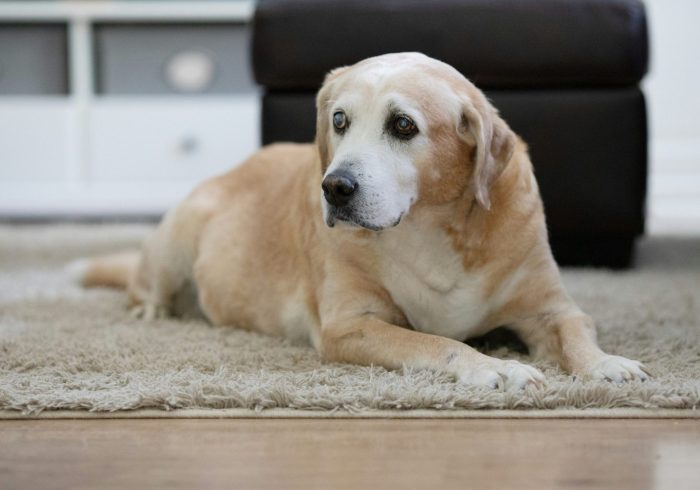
{"points": [[262, 453]]}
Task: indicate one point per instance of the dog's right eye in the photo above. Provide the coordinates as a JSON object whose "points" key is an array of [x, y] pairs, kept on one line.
{"points": [[340, 121]]}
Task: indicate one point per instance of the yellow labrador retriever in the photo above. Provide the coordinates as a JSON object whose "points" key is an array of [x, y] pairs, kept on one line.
{"points": [[413, 223]]}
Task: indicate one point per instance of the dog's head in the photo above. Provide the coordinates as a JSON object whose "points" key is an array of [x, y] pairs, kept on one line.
{"points": [[400, 130]]}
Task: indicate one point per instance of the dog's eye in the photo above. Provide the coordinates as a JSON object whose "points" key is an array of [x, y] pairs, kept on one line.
{"points": [[340, 121], [404, 126]]}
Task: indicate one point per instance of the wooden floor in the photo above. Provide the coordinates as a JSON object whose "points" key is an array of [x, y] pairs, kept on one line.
{"points": [[337, 454]]}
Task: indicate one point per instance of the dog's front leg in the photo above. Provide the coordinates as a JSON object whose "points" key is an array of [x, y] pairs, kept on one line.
{"points": [[569, 338], [369, 340]]}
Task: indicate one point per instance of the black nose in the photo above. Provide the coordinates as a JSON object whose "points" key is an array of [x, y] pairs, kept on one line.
{"points": [[338, 188]]}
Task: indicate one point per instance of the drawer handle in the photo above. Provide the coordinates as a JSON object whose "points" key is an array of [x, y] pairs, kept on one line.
{"points": [[188, 145]]}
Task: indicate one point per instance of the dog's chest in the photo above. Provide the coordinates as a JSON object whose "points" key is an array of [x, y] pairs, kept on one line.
{"points": [[427, 281]]}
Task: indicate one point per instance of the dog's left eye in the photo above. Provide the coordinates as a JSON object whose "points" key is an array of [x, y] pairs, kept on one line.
{"points": [[404, 126]]}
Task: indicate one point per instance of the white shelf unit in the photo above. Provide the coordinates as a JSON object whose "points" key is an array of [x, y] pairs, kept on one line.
{"points": [[90, 154]]}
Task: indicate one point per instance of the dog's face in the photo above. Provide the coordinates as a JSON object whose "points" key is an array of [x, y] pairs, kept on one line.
{"points": [[402, 130]]}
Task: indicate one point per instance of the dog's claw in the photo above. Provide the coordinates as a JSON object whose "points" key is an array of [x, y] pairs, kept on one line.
{"points": [[617, 369]]}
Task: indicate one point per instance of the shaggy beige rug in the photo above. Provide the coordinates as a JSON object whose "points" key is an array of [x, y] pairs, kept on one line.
{"points": [[65, 348]]}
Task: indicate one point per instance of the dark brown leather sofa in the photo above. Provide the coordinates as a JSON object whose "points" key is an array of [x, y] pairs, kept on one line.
{"points": [[565, 74]]}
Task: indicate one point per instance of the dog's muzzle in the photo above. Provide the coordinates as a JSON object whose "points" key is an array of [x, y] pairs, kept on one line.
{"points": [[345, 202]]}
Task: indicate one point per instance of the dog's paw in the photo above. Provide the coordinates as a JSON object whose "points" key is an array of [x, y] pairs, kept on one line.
{"points": [[509, 375], [518, 375], [149, 312], [617, 369]]}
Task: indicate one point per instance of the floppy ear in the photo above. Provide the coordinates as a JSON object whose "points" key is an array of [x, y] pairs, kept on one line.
{"points": [[494, 144], [322, 103]]}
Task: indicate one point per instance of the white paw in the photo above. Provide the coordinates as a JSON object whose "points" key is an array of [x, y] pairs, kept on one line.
{"points": [[502, 374], [149, 312], [519, 375], [617, 369]]}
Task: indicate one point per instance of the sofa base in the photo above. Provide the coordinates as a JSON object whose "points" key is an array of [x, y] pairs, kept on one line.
{"points": [[612, 253]]}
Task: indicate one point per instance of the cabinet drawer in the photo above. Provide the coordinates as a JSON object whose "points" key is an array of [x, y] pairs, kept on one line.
{"points": [[170, 140], [168, 59], [35, 140], [33, 59]]}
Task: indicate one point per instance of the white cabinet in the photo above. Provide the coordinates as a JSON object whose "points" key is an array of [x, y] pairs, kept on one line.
{"points": [[170, 140], [35, 140], [91, 122]]}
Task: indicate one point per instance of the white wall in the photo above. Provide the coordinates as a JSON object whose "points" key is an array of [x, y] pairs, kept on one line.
{"points": [[673, 94]]}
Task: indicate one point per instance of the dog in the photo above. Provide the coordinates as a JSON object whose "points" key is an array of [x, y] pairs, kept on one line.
{"points": [[412, 223]]}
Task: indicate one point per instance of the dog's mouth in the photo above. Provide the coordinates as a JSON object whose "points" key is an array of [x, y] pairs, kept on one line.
{"points": [[336, 215]]}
